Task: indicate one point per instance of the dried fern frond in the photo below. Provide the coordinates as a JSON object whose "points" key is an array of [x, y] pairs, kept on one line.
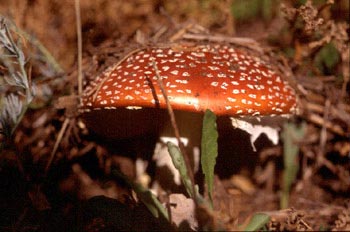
{"points": [[14, 103]]}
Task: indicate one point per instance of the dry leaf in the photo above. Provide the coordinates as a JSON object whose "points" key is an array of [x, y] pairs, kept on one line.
{"points": [[182, 210]]}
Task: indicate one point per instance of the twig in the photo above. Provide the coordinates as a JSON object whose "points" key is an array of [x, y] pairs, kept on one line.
{"points": [[318, 120], [246, 42], [345, 69], [58, 141], [80, 48], [179, 34], [323, 134], [335, 111]]}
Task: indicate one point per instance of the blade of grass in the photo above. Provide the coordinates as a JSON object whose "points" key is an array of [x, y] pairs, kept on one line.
{"points": [[291, 135], [209, 150]]}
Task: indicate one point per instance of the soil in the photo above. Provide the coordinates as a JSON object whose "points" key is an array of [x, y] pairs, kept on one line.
{"points": [[56, 174]]}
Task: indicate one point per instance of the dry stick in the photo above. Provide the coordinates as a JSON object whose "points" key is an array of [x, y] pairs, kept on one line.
{"points": [[323, 134], [241, 41], [58, 141], [80, 47], [80, 85], [345, 70], [179, 34], [176, 129], [336, 111], [321, 160], [318, 120]]}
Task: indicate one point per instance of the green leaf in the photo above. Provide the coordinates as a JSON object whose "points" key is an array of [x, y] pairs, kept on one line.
{"points": [[257, 222], [209, 149], [180, 165], [150, 200]]}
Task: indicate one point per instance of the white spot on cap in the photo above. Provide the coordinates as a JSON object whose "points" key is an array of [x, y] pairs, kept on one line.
{"points": [[213, 68], [181, 81], [214, 83], [133, 107], [230, 99], [185, 74], [198, 54]]}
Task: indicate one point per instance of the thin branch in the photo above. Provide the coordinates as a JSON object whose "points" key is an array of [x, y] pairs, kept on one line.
{"points": [[58, 141], [80, 46], [246, 42], [323, 134], [318, 120]]}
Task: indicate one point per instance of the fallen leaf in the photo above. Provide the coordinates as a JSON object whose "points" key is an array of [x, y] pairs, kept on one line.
{"points": [[182, 210]]}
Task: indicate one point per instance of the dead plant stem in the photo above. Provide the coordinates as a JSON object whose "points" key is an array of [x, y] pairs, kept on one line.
{"points": [[80, 46], [58, 141]]}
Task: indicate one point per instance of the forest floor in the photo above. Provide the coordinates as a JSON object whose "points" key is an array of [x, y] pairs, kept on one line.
{"points": [[56, 174]]}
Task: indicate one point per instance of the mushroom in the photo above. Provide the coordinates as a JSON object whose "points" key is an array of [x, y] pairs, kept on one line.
{"points": [[126, 101]]}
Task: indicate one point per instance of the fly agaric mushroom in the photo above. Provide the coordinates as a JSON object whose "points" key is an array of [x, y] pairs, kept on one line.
{"points": [[226, 80]]}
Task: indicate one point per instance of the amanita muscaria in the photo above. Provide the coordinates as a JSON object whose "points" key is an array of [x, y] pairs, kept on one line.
{"points": [[226, 80]]}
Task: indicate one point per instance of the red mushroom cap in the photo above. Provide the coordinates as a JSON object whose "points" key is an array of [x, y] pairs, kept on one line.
{"points": [[223, 79]]}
